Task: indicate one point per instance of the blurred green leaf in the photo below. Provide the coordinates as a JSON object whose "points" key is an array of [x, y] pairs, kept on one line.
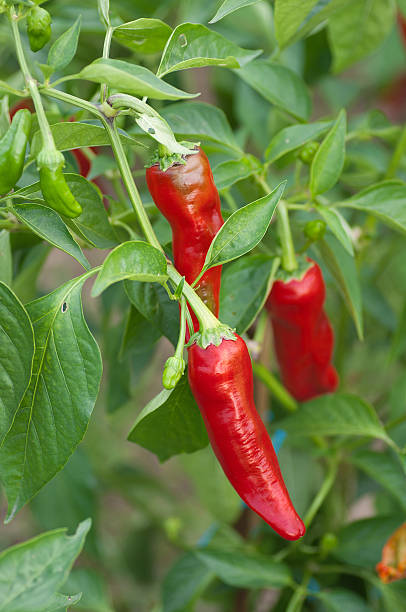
{"points": [[143, 35], [91, 584], [185, 581], [385, 469], [280, 86], [294, 136], [338, 599], [338, 226], [64, 48], [229, 6], [229, 172], [6, 258], [33, 571]]}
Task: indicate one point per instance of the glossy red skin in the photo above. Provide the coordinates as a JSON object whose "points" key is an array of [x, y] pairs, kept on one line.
{"points": [[402, 26], [24, 103], [188, 198], [303, 336], [222, 383]]}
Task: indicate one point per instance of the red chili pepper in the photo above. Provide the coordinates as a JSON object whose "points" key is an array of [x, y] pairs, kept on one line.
{"points": [[188, 198], [303, 336], [24, 103], [402, 26], [222, 384]]}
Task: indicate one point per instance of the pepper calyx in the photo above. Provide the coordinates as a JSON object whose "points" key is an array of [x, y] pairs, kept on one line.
{"points": [[214, 335], [165, 158]]}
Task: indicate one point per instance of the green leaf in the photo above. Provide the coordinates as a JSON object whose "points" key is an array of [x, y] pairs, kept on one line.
{"points": [[75, 135], [184, 582], [170, 423], [64, 48], [280, 86], [93, 224], [192, 45], [245, 285], [6, 258], [338, 599], [386, 201], [229, 172], [385, 469], [338, 225], [394, 595], [343, 269], [294, 20], [4, 116], [16, 356], [152, 301], [134, 260], [143, 35], [243, 230], [197, 120], [47, 224], [328, 162], [372, 532], [294, 136], [245, 570], [132, 79], [91, 584], [25, 283], [358, 30], [338, 414], [229, 6], [54, 413], [33, 571]]}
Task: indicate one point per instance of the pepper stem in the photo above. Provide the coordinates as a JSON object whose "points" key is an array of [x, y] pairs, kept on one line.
{"points": [[289, 262]]}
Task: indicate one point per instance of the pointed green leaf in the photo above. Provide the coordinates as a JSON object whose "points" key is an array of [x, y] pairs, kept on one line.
{"points": [[133, 260], [229, 172], [290, 138], [185, 581], [143, 35], [243, 230], [192, 45], [54, 413], [338, 414], [132, 79], [229, 6], [338, 225], [47, 224], [385, 469], [328, 162], [64, 48]]}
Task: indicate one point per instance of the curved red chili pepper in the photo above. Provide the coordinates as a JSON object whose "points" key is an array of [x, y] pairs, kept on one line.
{"points": [[303, 336], [188, 198], [222, 384], [24, 103]]}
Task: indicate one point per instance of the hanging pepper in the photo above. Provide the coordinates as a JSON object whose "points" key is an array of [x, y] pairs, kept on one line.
{"points": [[38, 27], [188, 198], [393, 563], [222, 383], [53, 184], [13, 146], [303, 336]]}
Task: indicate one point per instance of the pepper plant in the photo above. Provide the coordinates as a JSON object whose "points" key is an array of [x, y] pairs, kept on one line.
{"points": [[202, 312]]}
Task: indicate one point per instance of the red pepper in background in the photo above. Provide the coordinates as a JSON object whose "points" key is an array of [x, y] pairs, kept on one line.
{"points": [[393, 563], [303, 336], [188, 198], [25, 103], [222, 383]]}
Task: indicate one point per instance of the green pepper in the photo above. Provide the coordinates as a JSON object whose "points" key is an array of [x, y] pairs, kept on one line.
{"points": [[38, 28], [53, 184], [12, 150]]}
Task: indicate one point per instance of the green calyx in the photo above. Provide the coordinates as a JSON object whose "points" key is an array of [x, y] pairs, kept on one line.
{"points": [[303, 266], [214, 335], [13, 146], [38, 28], [173, 371], [51, 159], [166, 159]]}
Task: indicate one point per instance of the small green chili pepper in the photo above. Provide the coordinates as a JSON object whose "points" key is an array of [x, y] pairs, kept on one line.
{"points": [[12, 150], [314, 230], [38, 28], [53, 184], [308, 152]]}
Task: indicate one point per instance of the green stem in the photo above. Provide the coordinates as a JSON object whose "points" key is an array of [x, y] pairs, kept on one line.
{"points": [[323, 491], [132, 190], [106, 52], [229, 199], [298, 597], [182, 330], [289, 262], [397, 155], [274, 386], [73, 100]]}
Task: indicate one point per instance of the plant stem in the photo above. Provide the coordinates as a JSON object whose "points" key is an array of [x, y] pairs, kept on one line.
{"points": [[73, 100], [182, 330], [323, 491], [298, 597], [229, 199], [106, 53], [397, 155], [289, 262], [274, 386]]}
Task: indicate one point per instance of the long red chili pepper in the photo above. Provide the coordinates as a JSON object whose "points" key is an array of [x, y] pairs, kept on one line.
{"points": [[222, 384], [303, 336], [187, 196]]}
